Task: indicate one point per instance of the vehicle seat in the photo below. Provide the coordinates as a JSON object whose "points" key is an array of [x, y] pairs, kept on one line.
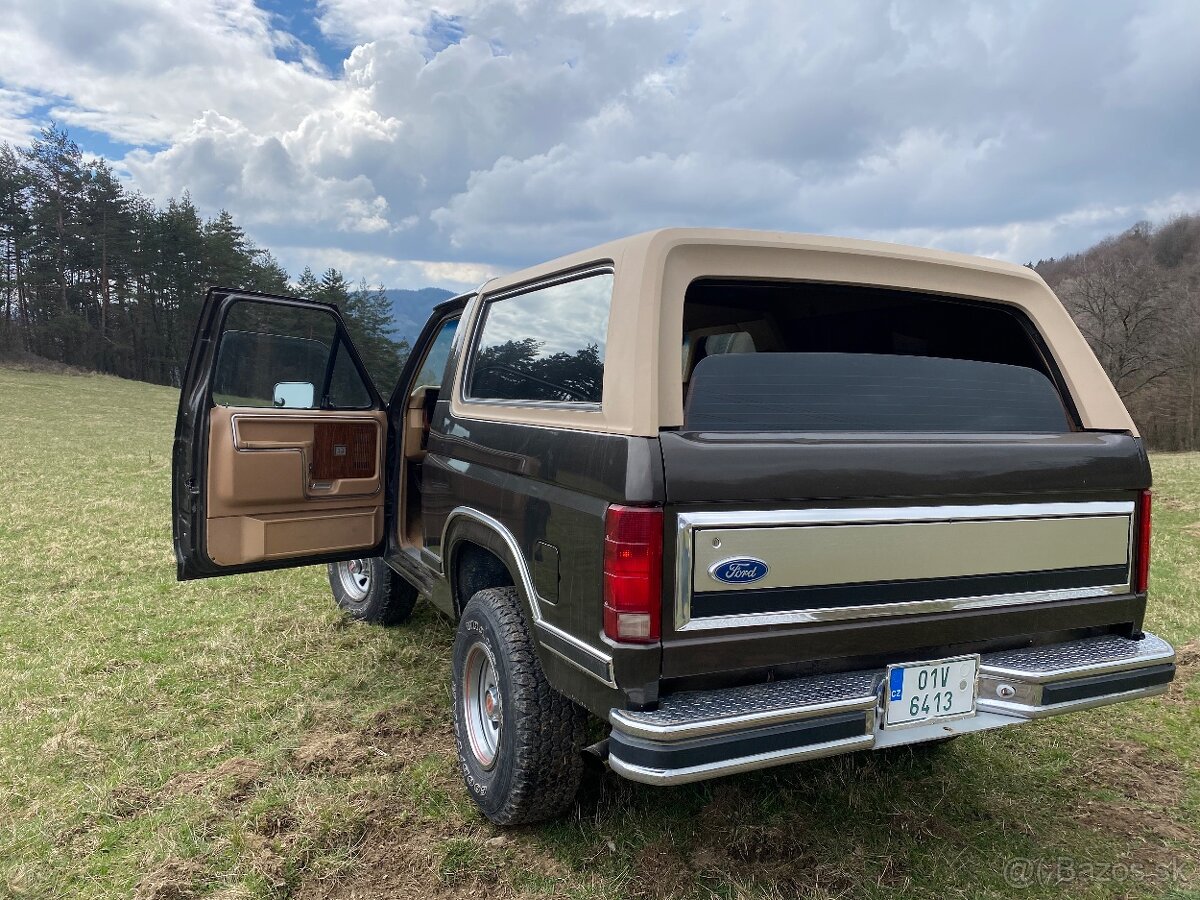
{"points": [[730, 342], [416, 422]]}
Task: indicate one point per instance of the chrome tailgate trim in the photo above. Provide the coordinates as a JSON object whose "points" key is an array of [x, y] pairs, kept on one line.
{"points": [[1111, 521]]}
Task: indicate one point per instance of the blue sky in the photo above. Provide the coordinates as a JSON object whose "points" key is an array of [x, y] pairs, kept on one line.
{"points": [[416, 145], [299, 18]]}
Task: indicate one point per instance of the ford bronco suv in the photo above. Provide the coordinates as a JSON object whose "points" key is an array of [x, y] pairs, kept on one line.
{"points": [[745, 498]]}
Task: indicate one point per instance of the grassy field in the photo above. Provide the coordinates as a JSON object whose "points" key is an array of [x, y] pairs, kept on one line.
{"points": [[238, 738]]}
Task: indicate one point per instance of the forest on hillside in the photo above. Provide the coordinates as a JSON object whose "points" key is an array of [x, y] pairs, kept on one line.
{"points": [[100, 277], [1136, 298]]}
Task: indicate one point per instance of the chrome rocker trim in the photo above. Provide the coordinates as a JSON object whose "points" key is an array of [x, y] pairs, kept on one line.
{"points": [[1014, 686]]}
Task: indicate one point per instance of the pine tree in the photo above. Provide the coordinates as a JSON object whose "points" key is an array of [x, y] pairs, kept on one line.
{"points": [[105, 216], [228, 255], [267, 275], [15, 231], [333, 288], [368, 314], [54, 164], [177, 288], [307, 286]]}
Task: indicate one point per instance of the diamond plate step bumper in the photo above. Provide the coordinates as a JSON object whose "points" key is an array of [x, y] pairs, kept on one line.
{"points": [[1035, 682], [702, 734]]}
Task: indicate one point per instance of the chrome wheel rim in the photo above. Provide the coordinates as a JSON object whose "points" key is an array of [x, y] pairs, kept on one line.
{"points": [[483, 706], [355, 576]]}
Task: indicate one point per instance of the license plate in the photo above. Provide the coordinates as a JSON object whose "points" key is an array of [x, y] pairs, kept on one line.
{"points": [[930, 691]]}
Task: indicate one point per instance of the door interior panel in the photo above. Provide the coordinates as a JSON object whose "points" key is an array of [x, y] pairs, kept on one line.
{"points": [[285, 483]]}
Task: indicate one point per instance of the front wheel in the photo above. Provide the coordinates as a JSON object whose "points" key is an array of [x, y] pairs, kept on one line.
{"points": [[369, 591], [520, 742]]}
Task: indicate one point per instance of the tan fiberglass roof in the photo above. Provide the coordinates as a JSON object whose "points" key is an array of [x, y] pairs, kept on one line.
{"points": [[642, 387]]}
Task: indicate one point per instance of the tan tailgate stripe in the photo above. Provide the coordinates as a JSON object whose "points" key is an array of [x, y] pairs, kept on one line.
{"points": [[811, 555]]}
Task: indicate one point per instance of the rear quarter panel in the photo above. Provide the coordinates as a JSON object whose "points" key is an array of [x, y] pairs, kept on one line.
{"points": [[548, 486]]}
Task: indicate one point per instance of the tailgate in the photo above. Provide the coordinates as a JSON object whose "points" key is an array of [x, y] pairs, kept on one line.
{"points": [[801, 550]]}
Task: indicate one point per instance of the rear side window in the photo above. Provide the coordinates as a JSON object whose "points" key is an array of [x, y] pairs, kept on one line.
{"points": [[762, 356], [544, 345]]}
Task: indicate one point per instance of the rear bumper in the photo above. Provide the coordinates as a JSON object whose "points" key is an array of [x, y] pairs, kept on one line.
{"points": [[705, 734]]}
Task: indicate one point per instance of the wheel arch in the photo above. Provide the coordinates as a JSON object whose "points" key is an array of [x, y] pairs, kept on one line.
{"points": [[480, 552], [574, 667]]}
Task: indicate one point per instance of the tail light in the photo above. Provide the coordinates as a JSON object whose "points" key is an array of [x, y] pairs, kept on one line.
{"points": [[1141, 578], [633, 537]]}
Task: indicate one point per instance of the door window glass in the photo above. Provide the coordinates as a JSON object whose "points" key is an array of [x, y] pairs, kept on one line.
{"points": [[347, 390], [269, 356]]}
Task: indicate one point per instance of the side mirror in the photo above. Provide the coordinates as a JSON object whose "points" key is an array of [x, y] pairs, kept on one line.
{"points": [[294, 395]]}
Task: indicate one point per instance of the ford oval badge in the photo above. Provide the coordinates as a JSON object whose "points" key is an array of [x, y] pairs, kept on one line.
{"points": [[742, 570]]}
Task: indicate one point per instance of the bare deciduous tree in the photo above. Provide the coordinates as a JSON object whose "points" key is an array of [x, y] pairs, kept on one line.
{"points": [[1136, 298]]}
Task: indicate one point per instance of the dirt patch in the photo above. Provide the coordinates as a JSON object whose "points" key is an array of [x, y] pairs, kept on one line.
{"points": [[402, 854], [173, 879], [71, 742], [277, 822], [234, 892], [1187, 656], [1170, 502], [330, 752], [230, 782], [1151, 789], [267, 860], [1187, 664], [128, 800], [1135, 772], [394, 738], [733, 843], [236, 777], [665, 875], [400, 734], [400, 864]]}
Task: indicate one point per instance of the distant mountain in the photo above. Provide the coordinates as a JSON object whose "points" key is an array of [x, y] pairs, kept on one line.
{"points": [[410, 309]]}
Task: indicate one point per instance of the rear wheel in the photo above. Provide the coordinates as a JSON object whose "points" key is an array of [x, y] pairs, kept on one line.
{"points": [[520, 742], [370, 591]]}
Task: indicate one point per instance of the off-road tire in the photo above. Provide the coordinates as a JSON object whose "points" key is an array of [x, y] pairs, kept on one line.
{"points": [[387, 600], [538, 761]]}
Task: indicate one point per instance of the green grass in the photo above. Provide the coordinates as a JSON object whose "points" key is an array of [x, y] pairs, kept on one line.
{"points": [[238, 738]]}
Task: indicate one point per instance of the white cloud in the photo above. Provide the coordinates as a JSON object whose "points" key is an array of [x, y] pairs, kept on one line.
{"points": [[143, 71], [464, 275], [493, 134], [390, 271], [16, 126]]}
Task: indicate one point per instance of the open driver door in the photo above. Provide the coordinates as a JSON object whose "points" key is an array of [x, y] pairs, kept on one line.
{"points": [[280, 440]]}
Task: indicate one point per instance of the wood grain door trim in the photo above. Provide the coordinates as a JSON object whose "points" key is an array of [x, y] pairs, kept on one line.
{"points": [[343, 450]]}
